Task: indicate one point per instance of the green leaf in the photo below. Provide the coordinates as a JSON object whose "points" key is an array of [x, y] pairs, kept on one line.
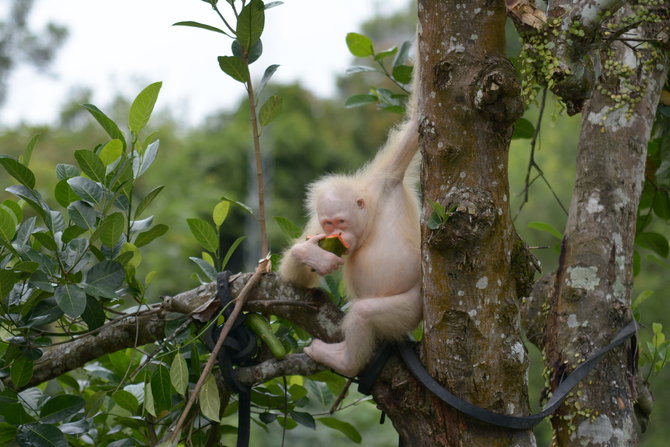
{"points": [[7, 281], [143, 162], [254, 53], [204, 233], [60, 408], [148, 236], [46, 240], [15, 208], [161, 388], [7, 433], [523, 129], [403, 53], [270, 110], [8, 223], [361, 69], [662, 205], [234, 67], [220, 212], [86, 189], [655, 242], [64, 193], [387, 53], [305, 419], [105, 277], [107, 124], [111, 228], [71, 299], [20, 172], [360, 100], [240, 204], [289, 228], [126, 400], [65, 171], [359, 45], [231, 250], [33, 199], [179, 374], [547, 228], [94, 314], [199, 25], [111, 151], [28, 152], [91, 165], [82, 215], [250, 24], [146, 201], [641, 298], [142, 107], [149, 404], [267, 76], [21, 371], [210, 404], [343, 427], [206, 267], [40, 435], [403, 74]]}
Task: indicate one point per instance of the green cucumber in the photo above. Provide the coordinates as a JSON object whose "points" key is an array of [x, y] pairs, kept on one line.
{"points": [[260, 326]]}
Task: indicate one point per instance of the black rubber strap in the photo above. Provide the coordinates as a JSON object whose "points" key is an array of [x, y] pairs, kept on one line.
{"points": [[368, 377], [502, 420]]}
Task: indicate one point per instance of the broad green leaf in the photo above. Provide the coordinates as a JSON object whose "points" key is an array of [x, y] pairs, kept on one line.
{"points": [[71, 299], [20, 172], [146, 201], [15, 208], [270, 110], [7, 280], [305, 419], [220, 212], [655, 242], [106, 277], [149, 404], [161, 388], [200, 25], [61, 407], [234, 67], [343, 427], [250, 24], [111, 151], [28, 152], [86, 189], [387, 53], [148, 236], [33, 199], [7, 433], [255, 52], [64, 193], [662, 205], [21, 371], [206, 267], [94, 314], [359, 45], [267, 76], [91, 165], [72, 232], [273, 5], [46, 240], [142, 107], [403, 53], [360, 69], [231, 250], [40, 435], [82, 214], [204, 233], [179, 374], [210, 404], [402, 74], [126, 400], [360, 100], [143, 162], [523, 129], [107, 124], [8, 224], [641, 298], [547, 228], [240, 204], [136, 256], [65, 171], [288, 227], [111, 228]]}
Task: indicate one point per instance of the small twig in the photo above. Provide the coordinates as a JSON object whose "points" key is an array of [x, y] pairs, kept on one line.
{"points": [[341, 397], [239, 303], [265, 304]]}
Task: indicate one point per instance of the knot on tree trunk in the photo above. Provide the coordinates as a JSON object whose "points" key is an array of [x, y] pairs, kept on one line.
{"points": [[497, 93], [574, 82], [470, 215]]}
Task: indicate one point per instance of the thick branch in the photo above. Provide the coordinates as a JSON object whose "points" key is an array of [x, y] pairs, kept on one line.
{"points": [[311, 309]]}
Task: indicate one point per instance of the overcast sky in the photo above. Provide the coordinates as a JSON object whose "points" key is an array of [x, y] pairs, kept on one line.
{"points": [[120, 46]]}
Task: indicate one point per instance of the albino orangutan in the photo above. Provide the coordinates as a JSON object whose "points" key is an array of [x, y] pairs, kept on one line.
{"points": [[376, 210]]}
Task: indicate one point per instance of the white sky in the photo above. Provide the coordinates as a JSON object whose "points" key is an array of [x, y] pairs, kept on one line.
{"points": [[120, 46]]}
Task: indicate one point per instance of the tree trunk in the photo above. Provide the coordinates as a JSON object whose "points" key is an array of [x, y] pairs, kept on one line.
{"points": [[590, 300], [469, 100]]}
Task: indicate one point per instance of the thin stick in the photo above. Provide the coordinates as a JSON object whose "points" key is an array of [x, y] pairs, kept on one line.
{"points": [[239, 303]]}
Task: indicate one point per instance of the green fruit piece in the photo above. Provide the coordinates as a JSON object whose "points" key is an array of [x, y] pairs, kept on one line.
{"points": [[334, 244], [260, 326]]}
